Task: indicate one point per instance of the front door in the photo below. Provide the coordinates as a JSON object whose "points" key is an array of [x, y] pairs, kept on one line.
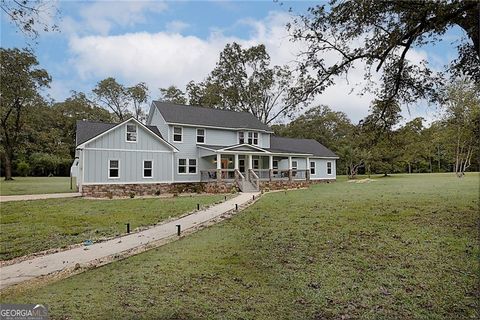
{"points": [[241, 165]]}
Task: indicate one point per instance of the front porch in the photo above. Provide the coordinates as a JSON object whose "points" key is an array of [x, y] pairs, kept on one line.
{"points": [[254, 168]]}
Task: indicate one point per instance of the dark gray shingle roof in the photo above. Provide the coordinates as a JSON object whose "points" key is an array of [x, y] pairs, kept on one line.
{"points": [[282, 144], [203, 116], [87, 130]]}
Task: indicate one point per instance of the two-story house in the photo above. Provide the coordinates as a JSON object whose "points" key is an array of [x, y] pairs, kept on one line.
{"points": [[195, 149]]}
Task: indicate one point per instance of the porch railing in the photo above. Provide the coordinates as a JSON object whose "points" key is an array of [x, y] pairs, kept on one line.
{"points": [[262, 174], [280, 174], [299, 174], [240, 179], [208, 175], [212, 175], [254, 178]]}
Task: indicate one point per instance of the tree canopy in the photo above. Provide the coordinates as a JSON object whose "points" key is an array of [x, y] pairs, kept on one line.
{"points": [[243, 80], [379, 35]]}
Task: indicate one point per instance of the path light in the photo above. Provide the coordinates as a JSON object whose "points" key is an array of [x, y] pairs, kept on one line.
{"points": [[225, 198], [253, 197], [236, 207], [198, 206], [178, 229], [128, 227]]}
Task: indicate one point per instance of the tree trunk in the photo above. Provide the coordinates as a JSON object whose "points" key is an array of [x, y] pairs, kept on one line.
{"points": [[8, 166], [409, 168]]}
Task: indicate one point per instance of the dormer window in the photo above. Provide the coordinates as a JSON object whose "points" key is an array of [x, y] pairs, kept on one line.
{"points": [[255, 138], [248, 137], [131, 133], [241, 137], [177, 134]]}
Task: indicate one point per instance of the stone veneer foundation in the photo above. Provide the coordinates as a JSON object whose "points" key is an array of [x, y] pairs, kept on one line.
{"points": [[127, 190]]}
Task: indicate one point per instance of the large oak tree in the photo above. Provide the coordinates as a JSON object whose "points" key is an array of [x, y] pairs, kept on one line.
{"points": [[379, 35]]}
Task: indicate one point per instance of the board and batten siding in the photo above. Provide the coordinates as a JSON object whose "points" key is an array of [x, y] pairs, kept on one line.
{"points": [[321, 169], [113, 146]]}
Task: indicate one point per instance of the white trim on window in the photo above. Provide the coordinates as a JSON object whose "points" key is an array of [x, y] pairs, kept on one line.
{"points": [[117, 168], [151, 169], [294, 164], [133, 134], [275, 164], [178, 134], [255, 137], [187, 166], [312, 168], [204, 136], [329, 168], [242, 139]]}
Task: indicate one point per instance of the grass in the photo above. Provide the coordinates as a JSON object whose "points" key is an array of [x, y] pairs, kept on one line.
{"points": [[32, 226], [402, 247], [36, 185]]}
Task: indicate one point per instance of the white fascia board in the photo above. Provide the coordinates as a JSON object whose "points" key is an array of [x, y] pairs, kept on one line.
{"points": [[215, 127], [82, 146]]}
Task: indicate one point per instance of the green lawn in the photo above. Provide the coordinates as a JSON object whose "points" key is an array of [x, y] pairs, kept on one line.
{"points": [[32, 226], [36, 185], [402, 247]]}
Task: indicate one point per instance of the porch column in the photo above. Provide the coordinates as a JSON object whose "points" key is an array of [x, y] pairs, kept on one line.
{"points": [[270, 166], [219, 167], [290, 177], [308, 169], [250, 161], [236, 161]]}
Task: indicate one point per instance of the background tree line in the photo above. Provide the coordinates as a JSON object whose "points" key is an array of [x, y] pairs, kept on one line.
{"points": [[38, 135]]}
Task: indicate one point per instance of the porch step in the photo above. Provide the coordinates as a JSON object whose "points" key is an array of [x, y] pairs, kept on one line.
{"points": [[248, 187]]}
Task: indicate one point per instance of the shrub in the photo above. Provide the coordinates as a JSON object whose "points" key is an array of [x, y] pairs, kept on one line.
{"points": [[132, 195], [157, 193], [23, 168]]}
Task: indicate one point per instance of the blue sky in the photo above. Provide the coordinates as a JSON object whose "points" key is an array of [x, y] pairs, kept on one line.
{"points": [[164, 43]]}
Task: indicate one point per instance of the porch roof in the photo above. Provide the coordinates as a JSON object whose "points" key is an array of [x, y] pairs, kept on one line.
{"points": [[245, 148], [279, 146]]}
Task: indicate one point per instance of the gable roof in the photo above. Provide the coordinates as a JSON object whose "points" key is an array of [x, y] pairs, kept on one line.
{"points": [[87, 130], [204, 116], [282, 144]]}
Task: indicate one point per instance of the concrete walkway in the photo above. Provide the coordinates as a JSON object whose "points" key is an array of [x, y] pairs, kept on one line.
{"points": [[39, 196], [45, 265]]}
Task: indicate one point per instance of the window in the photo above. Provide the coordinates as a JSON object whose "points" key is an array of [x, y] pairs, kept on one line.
{"points": [[241, 137], [147, 168], [329, 167], [312, 167], [294, 165], [255, 138], [177, 134], [248, 137], [275, 164], [113, 169], [200, 135], [131, 133], [187, 166], [256, 164], [192, 166], [182, 165]]}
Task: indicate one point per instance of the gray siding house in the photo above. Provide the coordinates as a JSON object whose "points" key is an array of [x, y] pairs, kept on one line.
{"points": [[187, 148]]}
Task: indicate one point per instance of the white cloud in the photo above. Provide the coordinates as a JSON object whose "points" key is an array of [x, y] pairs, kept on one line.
{"points": [[176, 26], [165, 58], [102, 16]]}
